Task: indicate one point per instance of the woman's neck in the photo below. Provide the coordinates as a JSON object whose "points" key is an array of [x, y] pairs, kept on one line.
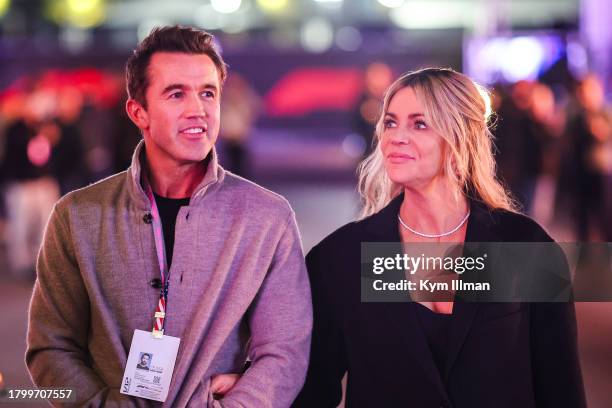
{"points": [[435, 209]]}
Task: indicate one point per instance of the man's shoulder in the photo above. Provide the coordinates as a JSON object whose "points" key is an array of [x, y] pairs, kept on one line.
{"points": [[251, 195], [95, 193]]}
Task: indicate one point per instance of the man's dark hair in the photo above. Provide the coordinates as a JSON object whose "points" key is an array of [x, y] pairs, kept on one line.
{"points": [[168, 39]]}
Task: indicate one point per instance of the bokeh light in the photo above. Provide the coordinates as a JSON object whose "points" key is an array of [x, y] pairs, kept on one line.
{"points": [[78, 13], [225, 6], [317, 35], [348, 38], [273, 6], [391, 3], [4, 7]]}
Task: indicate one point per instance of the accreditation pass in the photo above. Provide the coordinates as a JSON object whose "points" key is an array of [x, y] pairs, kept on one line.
{"points": [[149, 366]]}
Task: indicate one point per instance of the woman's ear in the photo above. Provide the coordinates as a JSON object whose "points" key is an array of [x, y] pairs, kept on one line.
{"points": [[137, 114]]}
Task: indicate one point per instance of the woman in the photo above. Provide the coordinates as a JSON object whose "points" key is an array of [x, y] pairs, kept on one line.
{"points": [[431, 178]]}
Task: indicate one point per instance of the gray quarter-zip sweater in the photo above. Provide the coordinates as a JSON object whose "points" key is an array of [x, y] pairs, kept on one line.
{"points": [[238, 288]]}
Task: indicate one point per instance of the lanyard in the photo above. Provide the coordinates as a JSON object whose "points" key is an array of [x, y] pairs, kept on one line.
{"points": [[160, 311]]}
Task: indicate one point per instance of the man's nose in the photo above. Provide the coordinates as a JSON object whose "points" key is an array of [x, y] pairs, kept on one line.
{"points": [[195, 106]]}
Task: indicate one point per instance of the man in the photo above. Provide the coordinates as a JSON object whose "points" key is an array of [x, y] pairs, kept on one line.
{"points": [[145, 359], [237, 285]]}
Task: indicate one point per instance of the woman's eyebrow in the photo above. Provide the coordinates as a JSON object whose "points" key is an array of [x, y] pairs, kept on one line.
{"points": [[410, 116]]}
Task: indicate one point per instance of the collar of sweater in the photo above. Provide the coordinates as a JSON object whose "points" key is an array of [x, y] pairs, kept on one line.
{"points": [[214, 175]]}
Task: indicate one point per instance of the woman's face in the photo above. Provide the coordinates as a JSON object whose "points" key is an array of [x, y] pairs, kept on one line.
{"points": [[412, 150]]}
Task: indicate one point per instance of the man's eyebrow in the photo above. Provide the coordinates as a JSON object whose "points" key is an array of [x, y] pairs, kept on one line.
{"points": [[173, 87], [210, 85], [182, 87]]}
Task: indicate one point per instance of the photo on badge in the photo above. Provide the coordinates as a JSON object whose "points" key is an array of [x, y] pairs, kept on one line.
{"points": [[144, 361]]}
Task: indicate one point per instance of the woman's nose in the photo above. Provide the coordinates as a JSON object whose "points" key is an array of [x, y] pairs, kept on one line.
{"points": [[401, 136]]}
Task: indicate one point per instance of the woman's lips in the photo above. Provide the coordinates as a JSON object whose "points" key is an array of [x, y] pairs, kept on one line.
{"points": [[399, 157]]}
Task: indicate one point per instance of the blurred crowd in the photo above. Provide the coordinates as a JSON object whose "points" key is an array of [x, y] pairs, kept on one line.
{"points": [[553, 148], [66, 129], [555, 153], [57, 133], [63, 131]]}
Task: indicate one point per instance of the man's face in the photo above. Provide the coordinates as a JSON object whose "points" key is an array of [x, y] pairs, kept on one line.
{"points": [[182, 114], [144, 360]]}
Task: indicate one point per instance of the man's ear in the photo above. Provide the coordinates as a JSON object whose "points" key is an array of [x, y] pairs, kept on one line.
{"points": [[137, 114]]}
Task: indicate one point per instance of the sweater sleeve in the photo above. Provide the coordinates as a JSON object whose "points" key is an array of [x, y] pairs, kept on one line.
{"points": [[57, 351], [281, 325]]}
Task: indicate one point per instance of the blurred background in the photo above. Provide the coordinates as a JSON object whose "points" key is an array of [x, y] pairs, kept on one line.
{"points": [[305, 85]]}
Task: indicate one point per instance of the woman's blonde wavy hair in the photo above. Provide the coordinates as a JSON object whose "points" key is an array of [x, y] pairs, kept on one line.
{"points": [[459, 110]]}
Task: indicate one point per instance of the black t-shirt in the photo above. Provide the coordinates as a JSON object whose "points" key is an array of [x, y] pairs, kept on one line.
{"points": [[168, 210], [436, 327]]}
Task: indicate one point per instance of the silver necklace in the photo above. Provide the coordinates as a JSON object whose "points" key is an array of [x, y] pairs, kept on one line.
{"points": [[434, 235]]}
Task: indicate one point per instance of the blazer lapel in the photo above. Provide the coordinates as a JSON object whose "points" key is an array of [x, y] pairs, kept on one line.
{"points": [[383, 227], [480, 228]]}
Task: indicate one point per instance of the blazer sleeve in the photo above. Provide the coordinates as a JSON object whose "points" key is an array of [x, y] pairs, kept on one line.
{"points": [[323, 387], [57, 354], [555, 363]]}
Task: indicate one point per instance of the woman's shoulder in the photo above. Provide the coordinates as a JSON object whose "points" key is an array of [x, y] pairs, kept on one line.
{"points": [[342, 238], [380, 226], [517, 227]]}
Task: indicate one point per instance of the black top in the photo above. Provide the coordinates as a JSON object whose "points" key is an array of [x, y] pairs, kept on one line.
{"points": [[168, 210], [435, 327], [16, 165], [502, 355]]}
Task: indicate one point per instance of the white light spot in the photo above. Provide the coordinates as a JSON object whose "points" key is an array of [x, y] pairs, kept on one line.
{"points": [[348, 38], [391, 3], [317, 35], [226, 6], [522, 59]]}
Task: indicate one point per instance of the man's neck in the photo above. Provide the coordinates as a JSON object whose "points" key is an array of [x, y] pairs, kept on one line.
{"points": [[170, 180]]}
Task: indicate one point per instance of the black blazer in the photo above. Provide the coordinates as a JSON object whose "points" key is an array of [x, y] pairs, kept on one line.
{"points": [[514, 355]]}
